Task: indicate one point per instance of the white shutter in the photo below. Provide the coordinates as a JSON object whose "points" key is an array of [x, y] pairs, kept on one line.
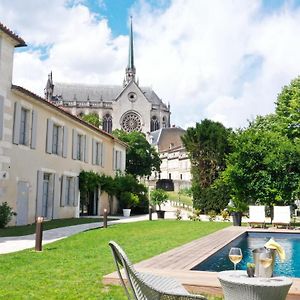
{"points": [[33, 129], [60, 140], [49, 136], [39, 194], [1, 116], [63, 191], [50, 197], [76, 192], [94, 152], [86, 148], [102, 154], [113, 160], [27, 125], [17, 123], [56, 202], [65, 142], [74, 148]]}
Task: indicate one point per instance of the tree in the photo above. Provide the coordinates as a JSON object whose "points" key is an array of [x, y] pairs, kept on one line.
{"points": [[141, 157], [207, 145], [92, 119], [263, 168], [158, 197], [288, 109]]}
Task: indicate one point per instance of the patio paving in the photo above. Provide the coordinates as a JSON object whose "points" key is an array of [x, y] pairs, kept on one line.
{"points": [[177, 263]]}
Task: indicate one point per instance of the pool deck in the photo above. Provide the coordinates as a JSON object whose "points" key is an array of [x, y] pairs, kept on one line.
{"points": [[177, 262]]}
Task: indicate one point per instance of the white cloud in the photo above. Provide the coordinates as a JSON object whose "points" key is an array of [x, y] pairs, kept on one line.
{"points": [[224, 60]]}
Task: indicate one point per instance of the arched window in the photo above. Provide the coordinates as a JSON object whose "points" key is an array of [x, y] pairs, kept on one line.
{"points": [[164, 122], [107, 123], [154, 124]]}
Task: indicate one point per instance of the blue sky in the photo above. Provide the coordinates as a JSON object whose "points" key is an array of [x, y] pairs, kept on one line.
{"points": [[216, 59]]}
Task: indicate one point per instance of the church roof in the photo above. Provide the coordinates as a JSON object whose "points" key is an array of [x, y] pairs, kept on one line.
{"points": [[85, 92]]}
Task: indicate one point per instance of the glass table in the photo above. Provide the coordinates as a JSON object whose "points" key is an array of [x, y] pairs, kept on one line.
{"points": [[237, 285]]}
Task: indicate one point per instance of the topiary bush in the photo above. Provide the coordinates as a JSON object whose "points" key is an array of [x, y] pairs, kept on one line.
{"points": [[6, 214]]}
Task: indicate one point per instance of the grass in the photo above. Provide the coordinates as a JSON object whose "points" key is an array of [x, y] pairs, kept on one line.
{"points": [[186, 200], [73, 268], [29, 229]]}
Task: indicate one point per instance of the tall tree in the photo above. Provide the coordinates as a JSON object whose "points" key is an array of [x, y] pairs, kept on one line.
{"points": [[263, 168], [207, 145], [93, 119], [288, 109], [141, 157]]}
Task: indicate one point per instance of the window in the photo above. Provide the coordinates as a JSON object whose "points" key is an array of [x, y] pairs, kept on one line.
{"points": [[48, 190], [69, 191], [80, 146], [118, 162], [25, 126], [57, 139], [154, 124], [164, 122], [107, 123]]}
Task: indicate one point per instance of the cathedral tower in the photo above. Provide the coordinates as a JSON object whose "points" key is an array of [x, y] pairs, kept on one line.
{"points": [[130, 70]]}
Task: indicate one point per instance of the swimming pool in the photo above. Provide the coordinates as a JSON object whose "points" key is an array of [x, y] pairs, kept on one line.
{"points": [[219, 261]]}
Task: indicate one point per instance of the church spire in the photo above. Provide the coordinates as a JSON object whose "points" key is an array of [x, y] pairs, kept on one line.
{"points": [[130, 70]]}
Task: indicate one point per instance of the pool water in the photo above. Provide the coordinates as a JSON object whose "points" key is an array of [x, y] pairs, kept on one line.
{"points": [[249, 241]]}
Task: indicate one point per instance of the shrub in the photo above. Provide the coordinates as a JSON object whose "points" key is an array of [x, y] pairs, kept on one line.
{"points": [[225, 215], [212, 215], [129, 200], [6, 214], [178, 214], [196, 215]]}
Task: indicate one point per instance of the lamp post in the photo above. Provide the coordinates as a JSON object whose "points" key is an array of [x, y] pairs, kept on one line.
{"points": [[105, 218], [39, 233]]}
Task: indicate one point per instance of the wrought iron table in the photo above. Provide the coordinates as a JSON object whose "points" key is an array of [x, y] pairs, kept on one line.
{"points": [[237, 285]]}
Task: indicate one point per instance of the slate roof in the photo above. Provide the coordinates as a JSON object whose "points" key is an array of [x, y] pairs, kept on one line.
{"points": [[84, 92]]}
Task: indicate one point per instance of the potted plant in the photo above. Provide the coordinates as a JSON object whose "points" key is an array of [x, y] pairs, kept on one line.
{"points": [[128, 201], [236, 208], [159, 197]]}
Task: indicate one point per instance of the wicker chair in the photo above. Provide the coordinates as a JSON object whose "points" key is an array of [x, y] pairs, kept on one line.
{"points": [[142, 286]]}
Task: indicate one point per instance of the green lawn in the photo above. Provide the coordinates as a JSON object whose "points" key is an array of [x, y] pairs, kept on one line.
{"points": [[29, 229], [72, 268], [186, 200]]}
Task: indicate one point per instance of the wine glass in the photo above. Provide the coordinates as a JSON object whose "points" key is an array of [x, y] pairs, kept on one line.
{"points": [[266, 259], [235, 255]]}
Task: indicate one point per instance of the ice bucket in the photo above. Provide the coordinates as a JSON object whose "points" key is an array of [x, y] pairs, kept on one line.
{"points": [[260, 270]]}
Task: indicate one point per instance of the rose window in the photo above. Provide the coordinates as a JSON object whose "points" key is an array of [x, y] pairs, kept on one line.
{"points": [[131, 122]]}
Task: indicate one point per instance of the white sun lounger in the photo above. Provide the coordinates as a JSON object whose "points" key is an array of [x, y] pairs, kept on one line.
{"points": [[281, 216], [257, 215]]}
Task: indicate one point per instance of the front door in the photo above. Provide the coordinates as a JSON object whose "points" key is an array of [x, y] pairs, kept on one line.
{"points": [[22, 202]]}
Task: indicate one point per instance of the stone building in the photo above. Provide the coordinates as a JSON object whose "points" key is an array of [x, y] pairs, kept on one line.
{"points": [[43, 149], [175, 167], [128, 106]]}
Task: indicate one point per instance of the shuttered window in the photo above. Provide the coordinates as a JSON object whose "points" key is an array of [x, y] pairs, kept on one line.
{"points": [[80, 146], [118, 160], [25, 126], [69, 192], [57, 139]]}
